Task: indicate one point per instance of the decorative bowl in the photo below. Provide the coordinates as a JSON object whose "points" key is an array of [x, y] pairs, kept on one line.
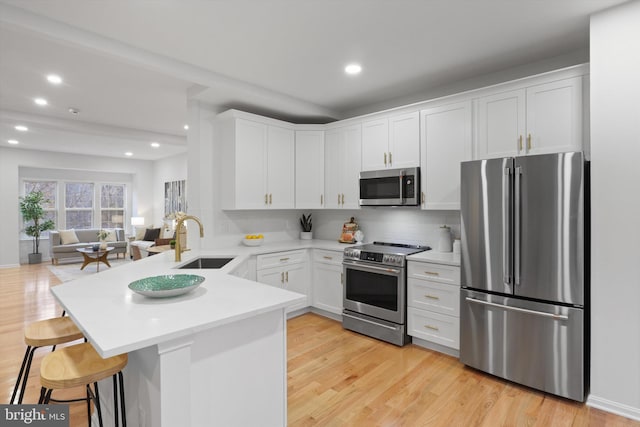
{"points": [[252, 242], [167, 285]]}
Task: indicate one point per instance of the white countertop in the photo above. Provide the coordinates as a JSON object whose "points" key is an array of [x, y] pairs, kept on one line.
{"points": [[447, 258], [116, 320]]}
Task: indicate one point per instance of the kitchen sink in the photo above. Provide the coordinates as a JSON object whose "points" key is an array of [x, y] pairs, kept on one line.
{"points": [[207, 263]]}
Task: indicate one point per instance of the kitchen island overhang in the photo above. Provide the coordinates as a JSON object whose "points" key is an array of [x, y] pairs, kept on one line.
{"points": [[216, 353]]}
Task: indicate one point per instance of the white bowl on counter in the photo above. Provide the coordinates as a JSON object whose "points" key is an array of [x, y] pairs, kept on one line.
{"points": [[252, 242]]}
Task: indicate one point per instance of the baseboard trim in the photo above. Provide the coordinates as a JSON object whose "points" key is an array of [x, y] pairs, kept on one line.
{"points": [[435, 347], [9, 265], [614, 407]]}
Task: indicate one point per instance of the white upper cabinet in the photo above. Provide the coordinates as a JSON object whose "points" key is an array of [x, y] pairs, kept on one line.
{"points": [[391, 142], [280, 168], [404, 140], [446, 135], [545, 118], [258, 165], [342, 167], [309, 169], [554, 117]]}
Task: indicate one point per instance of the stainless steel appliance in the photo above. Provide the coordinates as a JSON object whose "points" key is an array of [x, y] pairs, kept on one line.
{"points": [[524, 298], [390, 187], [375, 290]]}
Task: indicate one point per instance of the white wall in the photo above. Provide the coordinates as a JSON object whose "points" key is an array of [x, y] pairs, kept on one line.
{"points": [[615, 269], [12, 159]]}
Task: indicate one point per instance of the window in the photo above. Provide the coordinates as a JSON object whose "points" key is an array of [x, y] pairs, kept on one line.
{"points": [[112, 198], [78, 203], [73, 204], [50, 191]]}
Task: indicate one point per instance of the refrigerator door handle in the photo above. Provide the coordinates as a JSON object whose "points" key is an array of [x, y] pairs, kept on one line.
{"points": [[516, 225], [518, 309], [507, 266]]}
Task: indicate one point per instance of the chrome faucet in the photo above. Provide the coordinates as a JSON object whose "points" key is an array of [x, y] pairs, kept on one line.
{"points": [[179, 225]]}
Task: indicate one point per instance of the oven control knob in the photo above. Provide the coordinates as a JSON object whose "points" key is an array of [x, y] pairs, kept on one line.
{"points": [[393, 259]]}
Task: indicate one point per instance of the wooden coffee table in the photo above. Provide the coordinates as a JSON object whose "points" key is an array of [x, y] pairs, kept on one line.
{"points": [[95, 256]]}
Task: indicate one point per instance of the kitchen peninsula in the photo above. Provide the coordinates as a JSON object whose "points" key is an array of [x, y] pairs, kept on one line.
{"points": [[216, 353]]}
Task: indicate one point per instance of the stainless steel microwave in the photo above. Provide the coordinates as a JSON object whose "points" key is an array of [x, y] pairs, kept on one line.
{"points": [[390, 187]]}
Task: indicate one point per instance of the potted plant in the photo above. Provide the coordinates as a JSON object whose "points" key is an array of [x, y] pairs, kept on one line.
{"points": [[102, 236], [32, 211], [305, 222], [172, 244]]}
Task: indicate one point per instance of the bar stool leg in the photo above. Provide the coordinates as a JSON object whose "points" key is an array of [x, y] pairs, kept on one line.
{"points": [[24, 374], [88, 405], [124, 412], [24, 363], [115, 399], [97, 403]]}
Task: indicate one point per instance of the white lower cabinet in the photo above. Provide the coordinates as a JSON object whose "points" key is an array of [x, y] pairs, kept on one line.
{"points": [[327, 280], [433, 303], [287, 270]]}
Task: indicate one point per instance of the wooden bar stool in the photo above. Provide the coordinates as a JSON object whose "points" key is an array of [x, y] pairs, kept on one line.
{"points": [[79, 365], [58, 330]]}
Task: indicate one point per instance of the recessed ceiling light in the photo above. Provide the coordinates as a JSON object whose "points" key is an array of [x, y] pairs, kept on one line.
{"points": [[21, 128], [13, 141], [186, 127], [155, 144], [40, 101], [128, 154], [54, 79], [73, 111], [353, 69]]}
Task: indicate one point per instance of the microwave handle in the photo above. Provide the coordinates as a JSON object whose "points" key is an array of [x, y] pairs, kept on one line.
{"points": [[402, 187]]}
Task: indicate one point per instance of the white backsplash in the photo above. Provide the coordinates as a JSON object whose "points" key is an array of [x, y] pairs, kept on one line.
{"points": [[400, 225]]}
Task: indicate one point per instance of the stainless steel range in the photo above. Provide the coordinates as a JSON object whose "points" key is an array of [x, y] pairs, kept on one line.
{"points": [[375, 290]]}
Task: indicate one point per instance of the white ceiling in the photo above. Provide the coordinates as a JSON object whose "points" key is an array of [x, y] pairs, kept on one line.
{"points": [[132, 65]]}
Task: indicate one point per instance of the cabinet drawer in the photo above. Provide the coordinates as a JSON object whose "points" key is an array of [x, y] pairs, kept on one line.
{"points": [[280, 259], [436, 272], [434, 327], [434, 296], [327, 257]]}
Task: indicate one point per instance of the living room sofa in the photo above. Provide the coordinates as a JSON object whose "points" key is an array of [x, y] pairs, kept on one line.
{"points": [[58, 250]]}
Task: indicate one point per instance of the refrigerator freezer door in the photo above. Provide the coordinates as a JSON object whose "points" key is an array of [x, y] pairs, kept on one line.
{"points": [[535, 344], [549, 252], [485, 212]]}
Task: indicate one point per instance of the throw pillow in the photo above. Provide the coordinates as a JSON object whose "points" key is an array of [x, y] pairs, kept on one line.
{"points": [[140, 232], [151, 234], [111, 235], [68, 237]]}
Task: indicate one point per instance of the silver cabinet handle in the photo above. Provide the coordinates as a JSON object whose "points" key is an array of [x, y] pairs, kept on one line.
{"points": [[518, 309]]}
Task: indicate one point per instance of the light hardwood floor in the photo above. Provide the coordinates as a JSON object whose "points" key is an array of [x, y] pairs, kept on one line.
{"points": [[335, 377]]}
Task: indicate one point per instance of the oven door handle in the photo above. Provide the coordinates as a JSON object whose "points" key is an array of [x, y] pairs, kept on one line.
{"points": [[360, 266], [368, 321]]}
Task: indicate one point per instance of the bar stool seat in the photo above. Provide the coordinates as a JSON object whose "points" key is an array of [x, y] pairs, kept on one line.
{"points": [[58, 330], [79, 365]]}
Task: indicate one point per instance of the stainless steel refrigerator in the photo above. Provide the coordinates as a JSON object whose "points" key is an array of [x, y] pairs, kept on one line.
{"points": [[524, 297]]}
